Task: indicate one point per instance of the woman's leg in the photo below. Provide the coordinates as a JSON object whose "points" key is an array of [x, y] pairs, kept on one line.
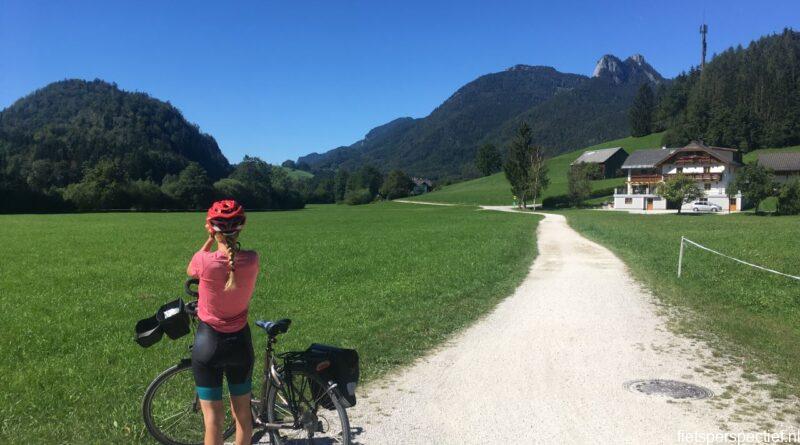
{"points": [[213, 420], [208, 381], [240, 383], [240, 405]]}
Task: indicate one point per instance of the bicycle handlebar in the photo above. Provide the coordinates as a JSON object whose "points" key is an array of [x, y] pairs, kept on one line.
{"points": [[187, 286]]}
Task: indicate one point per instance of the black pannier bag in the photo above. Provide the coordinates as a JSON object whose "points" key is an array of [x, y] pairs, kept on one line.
{"points": [[343, 370], [148, 332], [173, 319]]}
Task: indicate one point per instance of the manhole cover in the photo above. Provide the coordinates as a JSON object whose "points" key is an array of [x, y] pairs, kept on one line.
{"points": [[669, 388]]}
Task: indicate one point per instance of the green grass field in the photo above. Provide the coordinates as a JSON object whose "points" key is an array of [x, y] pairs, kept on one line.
{"points": [[756, 313], [495, 190], [390, 280]]}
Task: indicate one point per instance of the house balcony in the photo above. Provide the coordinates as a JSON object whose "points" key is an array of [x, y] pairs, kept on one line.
{"points": [[646, 179], [705, 177], [636, 190]]}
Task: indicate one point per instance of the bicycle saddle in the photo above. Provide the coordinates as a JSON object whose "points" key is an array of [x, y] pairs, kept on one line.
{"points": [[274, 328]]}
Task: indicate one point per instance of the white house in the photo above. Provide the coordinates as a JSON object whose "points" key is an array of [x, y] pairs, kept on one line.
{"points": [[712, 167]]}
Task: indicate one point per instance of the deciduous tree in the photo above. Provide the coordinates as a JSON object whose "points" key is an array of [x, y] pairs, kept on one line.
{"points": [[579, 182], [680, 189], [789, 198], [756, 183]]}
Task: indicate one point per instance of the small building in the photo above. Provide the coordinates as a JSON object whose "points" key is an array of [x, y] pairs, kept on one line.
{"points": [[786, 166], [609, 159], [712, 167], [421, 185]]}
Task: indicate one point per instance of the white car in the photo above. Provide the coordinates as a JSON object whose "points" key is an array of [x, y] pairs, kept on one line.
{"points": [[705, 206]]}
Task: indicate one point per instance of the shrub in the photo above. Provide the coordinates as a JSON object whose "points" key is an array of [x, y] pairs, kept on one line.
{"points": [[789, 198], [358, 197], [556, 202]]}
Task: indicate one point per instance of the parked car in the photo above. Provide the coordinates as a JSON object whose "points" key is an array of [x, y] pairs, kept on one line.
{"points": [[705, 206]]}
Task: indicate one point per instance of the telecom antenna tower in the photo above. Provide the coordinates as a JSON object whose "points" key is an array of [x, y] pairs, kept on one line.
{"points": [[703, 32]]}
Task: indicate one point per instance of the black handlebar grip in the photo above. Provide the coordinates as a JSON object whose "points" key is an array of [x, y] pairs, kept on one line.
{"points": [[188, 287]]}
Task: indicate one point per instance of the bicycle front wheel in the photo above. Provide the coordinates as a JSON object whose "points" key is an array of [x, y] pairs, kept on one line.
{"points": [[317, 415], [171, 409]]}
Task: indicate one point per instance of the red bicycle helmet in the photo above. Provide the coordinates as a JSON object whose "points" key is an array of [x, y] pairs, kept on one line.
{"points": [[226, 217]]}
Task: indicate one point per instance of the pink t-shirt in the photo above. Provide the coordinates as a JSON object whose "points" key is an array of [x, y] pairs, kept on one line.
{"points": [[225, 311]]}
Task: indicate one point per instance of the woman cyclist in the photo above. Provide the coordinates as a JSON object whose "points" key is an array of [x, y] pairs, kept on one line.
{"points": [[222, 345]]}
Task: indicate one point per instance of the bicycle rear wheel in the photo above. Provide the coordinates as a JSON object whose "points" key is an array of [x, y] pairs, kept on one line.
{"points": [[171, 409], [302, 400]]}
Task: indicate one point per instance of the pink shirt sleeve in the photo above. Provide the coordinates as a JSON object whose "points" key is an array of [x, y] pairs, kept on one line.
{"points": [[196, 264]]}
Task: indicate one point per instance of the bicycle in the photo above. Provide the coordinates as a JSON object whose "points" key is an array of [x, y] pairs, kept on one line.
{"points": [[295, 404]]}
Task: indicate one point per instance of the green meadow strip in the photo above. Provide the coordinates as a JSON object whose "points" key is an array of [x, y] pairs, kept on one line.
{"points": [[755, 314], [391, 280]]}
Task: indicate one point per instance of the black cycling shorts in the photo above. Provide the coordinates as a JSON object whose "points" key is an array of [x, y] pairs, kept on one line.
{"points": [[217, 353]]}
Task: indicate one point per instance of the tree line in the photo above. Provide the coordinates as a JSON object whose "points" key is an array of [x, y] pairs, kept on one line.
{"points": [[362, 186], [108, 185], [746, 98]]}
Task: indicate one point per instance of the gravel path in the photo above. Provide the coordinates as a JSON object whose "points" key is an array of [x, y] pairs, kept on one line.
{"points": [[548, 365]]}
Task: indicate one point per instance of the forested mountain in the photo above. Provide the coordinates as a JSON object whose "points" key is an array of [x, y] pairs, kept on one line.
{"points": [[85, 145], [566, 110], [50, 135], [746, 98]]}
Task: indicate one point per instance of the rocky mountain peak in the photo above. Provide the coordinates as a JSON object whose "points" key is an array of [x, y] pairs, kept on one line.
{"points": [[633, 69]]}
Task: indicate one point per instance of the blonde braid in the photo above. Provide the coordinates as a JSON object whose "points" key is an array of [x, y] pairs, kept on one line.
{"points": [[233, 248]]}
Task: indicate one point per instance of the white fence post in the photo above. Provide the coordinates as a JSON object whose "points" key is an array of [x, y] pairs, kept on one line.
{"points": [[680, 258]]}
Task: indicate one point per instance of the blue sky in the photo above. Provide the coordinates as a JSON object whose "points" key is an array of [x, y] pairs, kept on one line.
{"points": [[282, 79]]}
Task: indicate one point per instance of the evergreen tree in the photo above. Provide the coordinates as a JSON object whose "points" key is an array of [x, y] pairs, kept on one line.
{"points": [[524, 167], [642, 111], [340, 184], [397, 185], [517, 165], [746, 97], [488, 160]]}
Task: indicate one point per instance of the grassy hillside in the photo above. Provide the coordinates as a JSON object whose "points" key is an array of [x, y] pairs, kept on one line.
{"points": [[298, 174], [383, 278], [495, 189], [756, 311]]}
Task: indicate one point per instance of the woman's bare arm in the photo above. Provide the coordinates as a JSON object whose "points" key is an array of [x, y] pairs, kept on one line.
{"points": [[205, 248]]}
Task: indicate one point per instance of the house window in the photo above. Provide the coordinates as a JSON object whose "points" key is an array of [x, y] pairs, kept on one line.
{"points": [[680, 169], [707, 186], [706, 169], [628, 200]]}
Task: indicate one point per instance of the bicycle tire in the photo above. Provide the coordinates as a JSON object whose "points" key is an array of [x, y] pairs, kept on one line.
{"points": [[147, 408], [272, 394]]}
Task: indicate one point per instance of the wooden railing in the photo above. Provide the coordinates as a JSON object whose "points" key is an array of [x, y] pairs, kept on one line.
{"points": [[700, 176], [646, 179]]}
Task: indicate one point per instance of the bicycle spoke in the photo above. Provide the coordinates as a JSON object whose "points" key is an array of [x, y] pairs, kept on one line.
{"points": [[180, 417]]}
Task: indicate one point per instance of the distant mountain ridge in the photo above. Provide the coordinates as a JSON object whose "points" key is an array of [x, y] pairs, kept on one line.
{"points": [[569, 110]]}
